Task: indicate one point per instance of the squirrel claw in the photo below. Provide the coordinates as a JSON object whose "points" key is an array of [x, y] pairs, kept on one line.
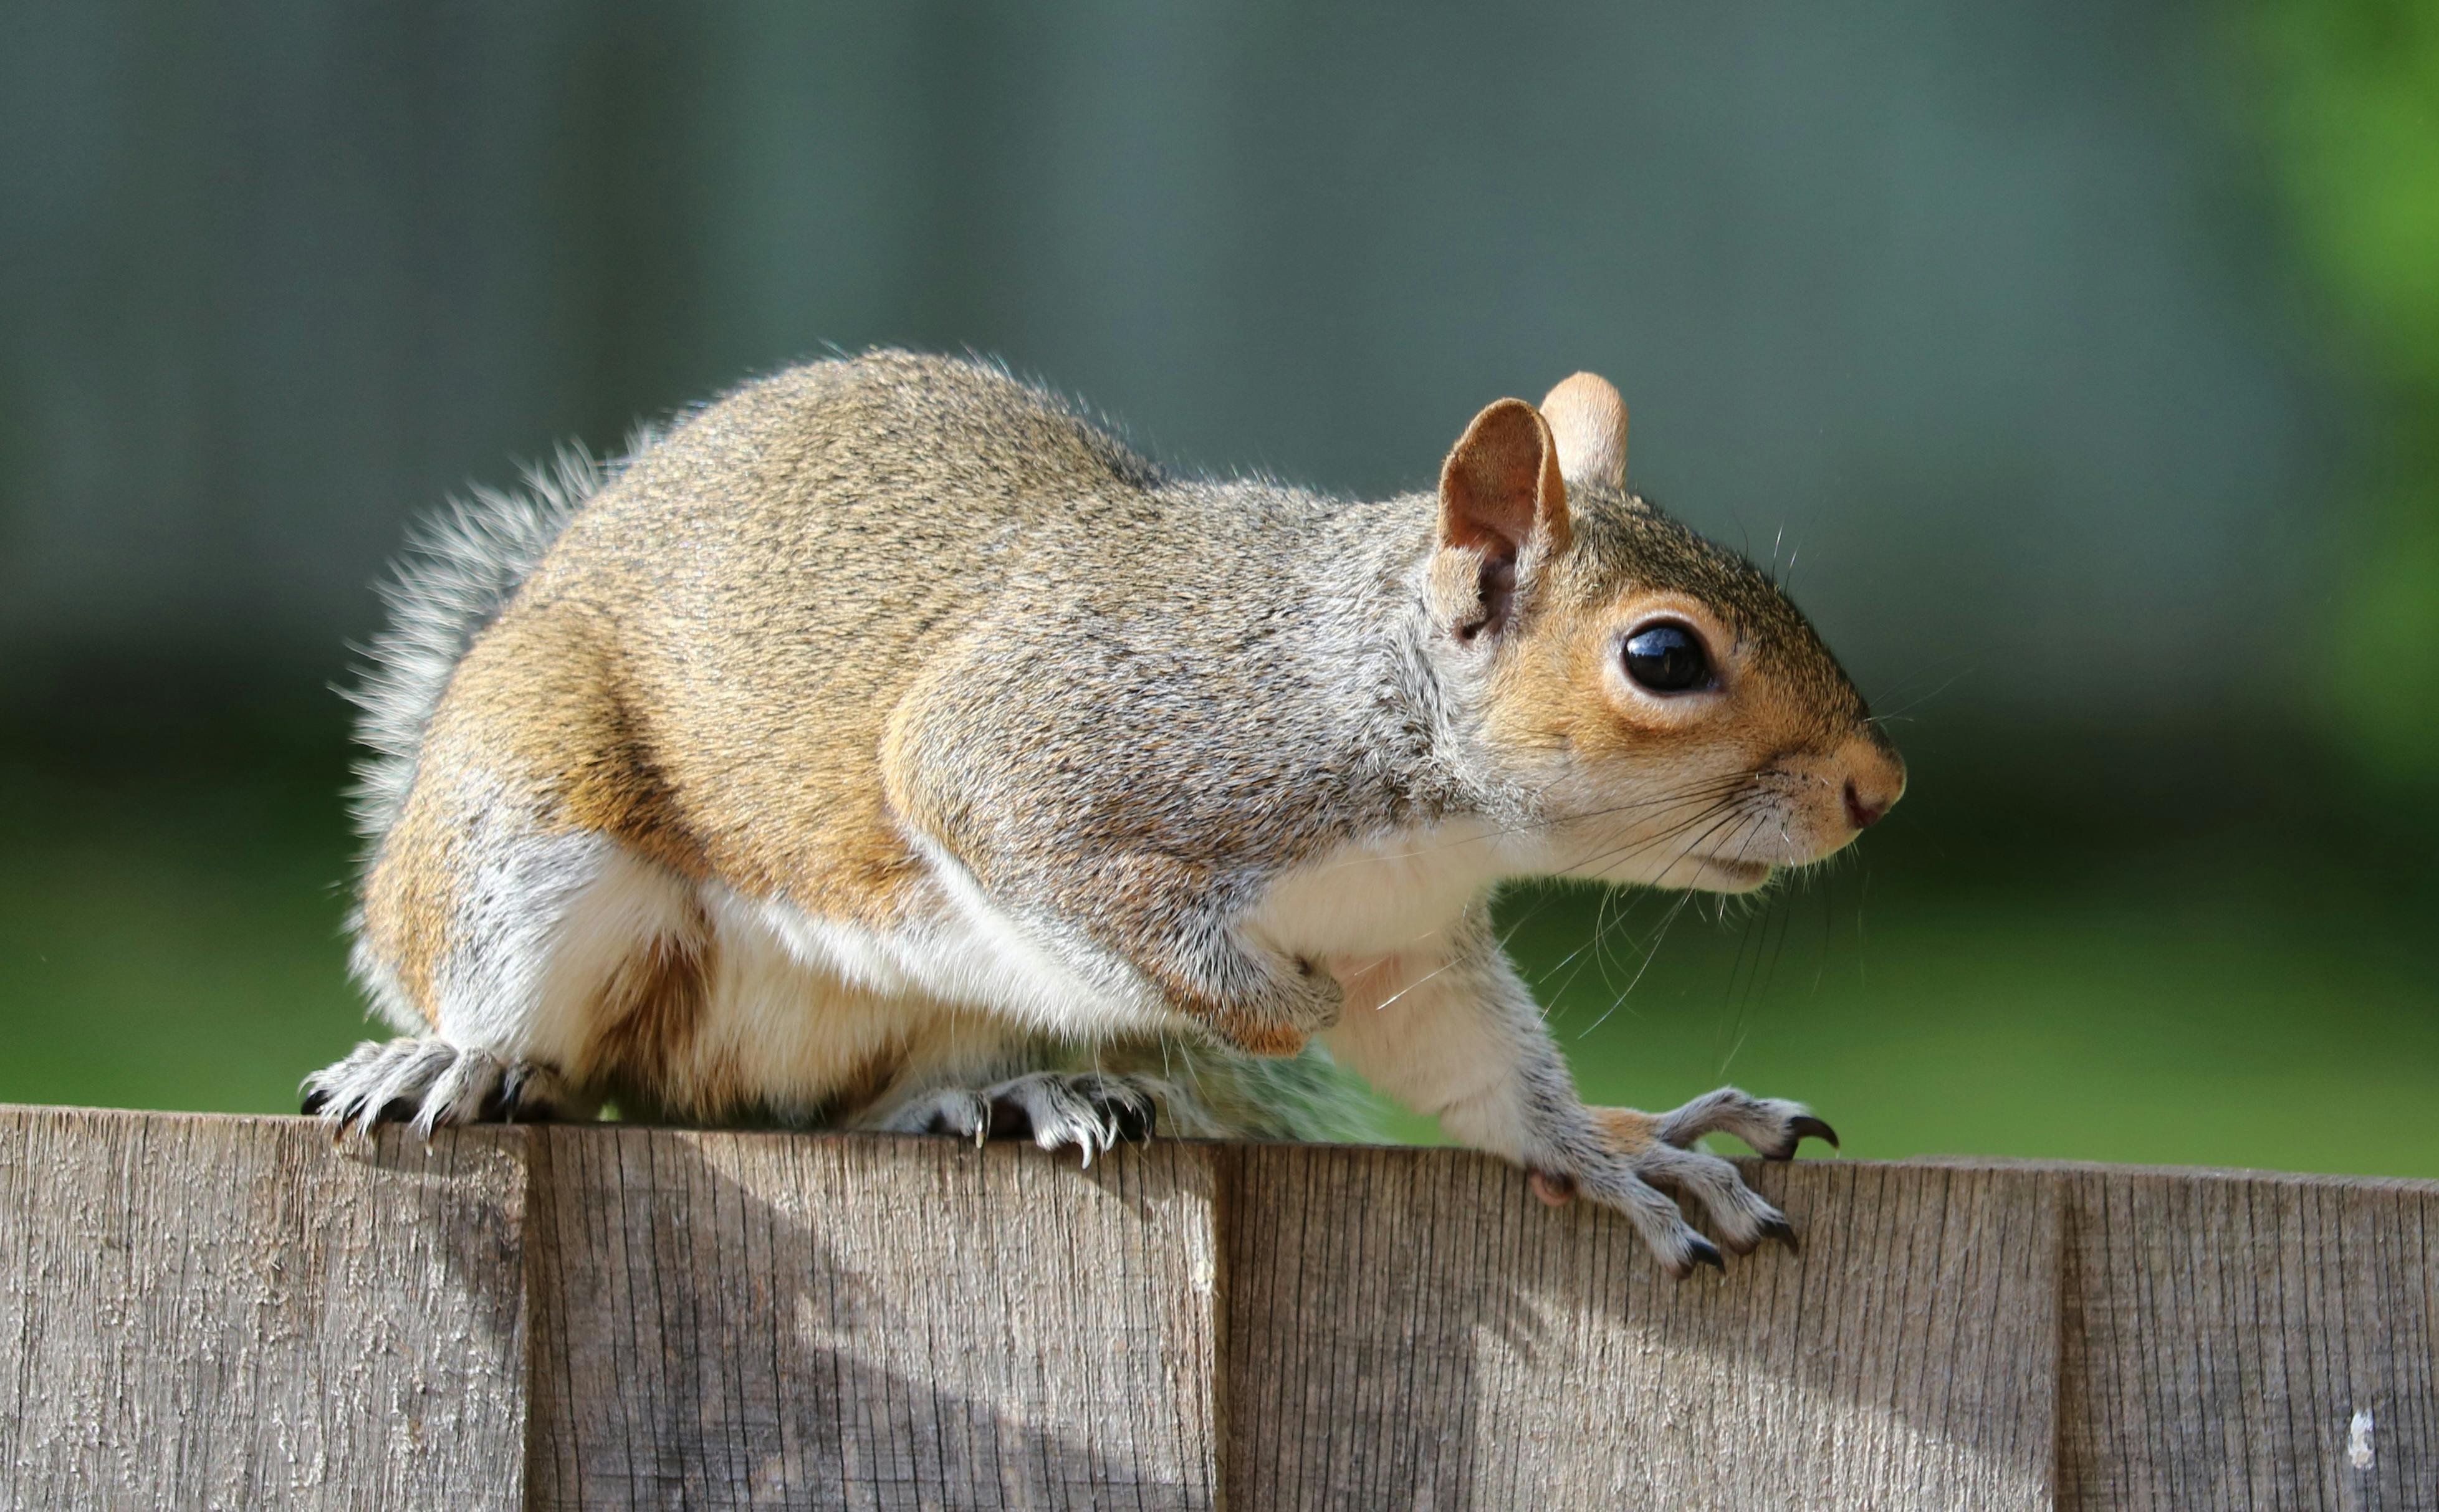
{"points": [[1093, 1113], [1806, 1127], [426, 1083], [1699, 1251]]}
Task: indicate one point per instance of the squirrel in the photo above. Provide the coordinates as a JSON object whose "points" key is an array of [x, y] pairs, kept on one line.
{"points": [[889, 746]]}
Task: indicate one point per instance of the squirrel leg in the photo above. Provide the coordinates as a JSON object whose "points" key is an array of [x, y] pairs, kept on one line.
{"points": [[1458, 1035], [1243, 994], [532, 945], [1265, 1005]]}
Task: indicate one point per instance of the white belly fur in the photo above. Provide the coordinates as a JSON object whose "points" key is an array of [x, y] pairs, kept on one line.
{"points": [[1394, 896]]}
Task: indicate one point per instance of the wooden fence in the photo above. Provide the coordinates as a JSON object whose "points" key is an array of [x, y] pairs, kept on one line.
{"points": [[208, 1312]]}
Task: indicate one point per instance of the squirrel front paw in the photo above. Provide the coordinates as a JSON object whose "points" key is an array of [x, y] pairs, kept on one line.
{"points": [[1278, 1017], [1654, 1157]]}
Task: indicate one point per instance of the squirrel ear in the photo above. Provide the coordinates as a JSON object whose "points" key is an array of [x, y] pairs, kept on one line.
{"points": [[1589, 420], [1501, 487]]}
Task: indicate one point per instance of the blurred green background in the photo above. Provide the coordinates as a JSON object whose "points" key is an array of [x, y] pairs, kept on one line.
{"points": [[2083, 358]]}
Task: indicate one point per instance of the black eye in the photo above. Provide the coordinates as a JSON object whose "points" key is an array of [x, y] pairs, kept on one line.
{"points": [[1667, 659]]}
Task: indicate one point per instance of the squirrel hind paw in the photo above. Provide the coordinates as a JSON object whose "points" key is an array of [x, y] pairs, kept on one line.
{"points": [[951, 1111], [1128, 1102], [1089, 1111], [428, 1083]]}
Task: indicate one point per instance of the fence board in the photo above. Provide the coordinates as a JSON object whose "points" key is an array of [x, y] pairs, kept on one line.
{"points": [[2225, 1329], [1407, 1328], [229, 1312], [733, 1320]]}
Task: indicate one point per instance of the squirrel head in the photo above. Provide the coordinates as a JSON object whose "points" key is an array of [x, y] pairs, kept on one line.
{"points": [[1674, 717]]}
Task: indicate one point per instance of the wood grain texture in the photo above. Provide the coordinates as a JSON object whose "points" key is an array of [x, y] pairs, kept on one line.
{"points": [[231, 1312], [1409, 1329], [2223, 1329], [733, 1319]]}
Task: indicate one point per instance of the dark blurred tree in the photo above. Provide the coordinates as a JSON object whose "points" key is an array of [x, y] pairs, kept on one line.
{"points": [[2350, 104]]}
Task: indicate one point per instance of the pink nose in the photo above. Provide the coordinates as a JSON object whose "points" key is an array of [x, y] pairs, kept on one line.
{"points": [[1875, 778], [1862, 812]]}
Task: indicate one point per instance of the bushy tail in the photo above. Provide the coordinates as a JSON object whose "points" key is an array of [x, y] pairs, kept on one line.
{"points": [[460, 569]]}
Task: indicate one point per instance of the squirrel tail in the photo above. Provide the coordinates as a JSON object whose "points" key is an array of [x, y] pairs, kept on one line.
{"points": [[460, 569]]}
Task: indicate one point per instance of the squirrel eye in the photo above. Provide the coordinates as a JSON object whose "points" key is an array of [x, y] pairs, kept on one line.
{"points": [[1667, 659]]}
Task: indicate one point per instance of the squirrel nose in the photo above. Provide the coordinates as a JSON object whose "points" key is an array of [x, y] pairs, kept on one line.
{"points": [[1876, 780], [1860, 812]]}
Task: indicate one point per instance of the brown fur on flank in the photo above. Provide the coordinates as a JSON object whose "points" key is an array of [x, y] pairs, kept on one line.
{"points": [[889, 745]]}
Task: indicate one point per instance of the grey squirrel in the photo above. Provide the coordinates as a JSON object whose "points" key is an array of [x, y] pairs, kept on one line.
{"points": [[888, 746]]}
